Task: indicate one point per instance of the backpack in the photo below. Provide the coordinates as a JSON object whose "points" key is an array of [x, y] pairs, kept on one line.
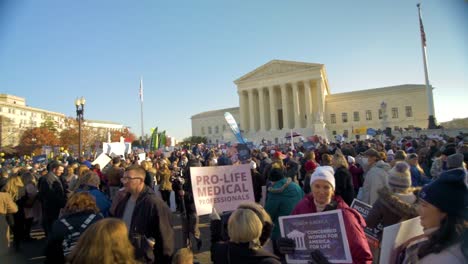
{"points": [[72, 236]]}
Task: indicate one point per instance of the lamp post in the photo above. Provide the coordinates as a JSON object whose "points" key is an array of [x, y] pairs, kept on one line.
{"points": [[79, 103]]}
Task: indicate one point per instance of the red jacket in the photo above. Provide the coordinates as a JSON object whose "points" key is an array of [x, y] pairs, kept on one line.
{"points": [[354, 225]]}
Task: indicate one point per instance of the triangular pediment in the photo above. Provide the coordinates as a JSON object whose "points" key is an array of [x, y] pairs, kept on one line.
{"points": [[277, 67]]}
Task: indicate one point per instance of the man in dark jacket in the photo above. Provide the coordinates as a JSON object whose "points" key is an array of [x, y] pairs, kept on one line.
{"points": [[147, 217], [52, 195]]}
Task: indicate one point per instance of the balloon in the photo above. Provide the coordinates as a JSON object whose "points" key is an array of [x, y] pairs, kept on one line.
{"points": [[2, 154]]}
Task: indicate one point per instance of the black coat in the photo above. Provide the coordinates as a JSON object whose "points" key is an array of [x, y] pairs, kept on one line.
{"points": [[234, 253], [51, 194], [344, 185], [54, 249], [151, 218]]}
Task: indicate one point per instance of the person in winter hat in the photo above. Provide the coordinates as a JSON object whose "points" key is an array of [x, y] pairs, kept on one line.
{"points": [[442, 210], [357, 174], [323, 198], [397, 202]]}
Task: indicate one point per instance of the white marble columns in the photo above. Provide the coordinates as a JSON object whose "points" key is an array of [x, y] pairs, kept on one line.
{"points": [[301, 104]]}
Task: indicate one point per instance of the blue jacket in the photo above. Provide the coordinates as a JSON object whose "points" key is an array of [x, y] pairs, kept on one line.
{"points": [[103, 203]]}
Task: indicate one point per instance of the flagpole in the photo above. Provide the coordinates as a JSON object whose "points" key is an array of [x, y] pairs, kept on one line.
{"points": [[430, 98], [141, 111]]}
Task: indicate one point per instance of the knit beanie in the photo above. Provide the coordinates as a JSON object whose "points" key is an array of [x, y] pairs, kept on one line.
{"points": [[448, 193], [455, 161], [325, 173], [276, 174], [399, 177], [310, 165]]}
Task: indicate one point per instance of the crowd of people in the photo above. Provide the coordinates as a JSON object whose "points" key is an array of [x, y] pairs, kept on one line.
{"points": [[122, 213]]}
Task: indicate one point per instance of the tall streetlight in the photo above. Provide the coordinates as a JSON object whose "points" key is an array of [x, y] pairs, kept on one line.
{"points": [[79, 103]]}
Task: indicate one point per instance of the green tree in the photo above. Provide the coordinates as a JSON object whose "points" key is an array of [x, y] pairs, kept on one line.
{"points": [[194, 140], [50, 124]]}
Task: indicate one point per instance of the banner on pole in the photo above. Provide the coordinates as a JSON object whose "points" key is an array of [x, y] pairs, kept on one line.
{"points": [[324, 231], [223, 187], [235, 129]]}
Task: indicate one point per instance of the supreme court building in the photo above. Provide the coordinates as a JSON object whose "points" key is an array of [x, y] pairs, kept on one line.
{"points": [[281, 96]]}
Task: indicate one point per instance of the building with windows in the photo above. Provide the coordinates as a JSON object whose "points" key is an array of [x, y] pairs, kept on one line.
{"points": [[16, 116], [281, 96]]}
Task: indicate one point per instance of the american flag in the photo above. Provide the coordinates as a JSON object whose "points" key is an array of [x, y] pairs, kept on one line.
{"points": [[141, 90], [421, 28]]}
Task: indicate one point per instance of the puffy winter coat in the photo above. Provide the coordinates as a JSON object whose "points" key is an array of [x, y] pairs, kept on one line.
{"points": [[391, 208], [375, 179], [281, 200], [354, 225]]}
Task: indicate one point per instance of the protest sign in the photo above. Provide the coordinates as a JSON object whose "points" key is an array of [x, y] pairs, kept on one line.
{"points": [[364, 209], [324, 231], [102, 160], [141, 157], [40, 158], [395, 235], [223, 187], [372, 234], [115, 147]]}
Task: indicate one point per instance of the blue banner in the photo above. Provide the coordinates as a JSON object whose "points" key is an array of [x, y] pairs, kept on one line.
{"points": [[40, 158]]}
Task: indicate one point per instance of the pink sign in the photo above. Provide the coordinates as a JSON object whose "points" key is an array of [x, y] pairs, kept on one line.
{"points": [[222, 187]]}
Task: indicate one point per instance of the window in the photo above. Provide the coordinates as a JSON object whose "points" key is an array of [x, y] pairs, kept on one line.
{"points": [[224, 127], [394, 112], [356, 116], [333, 118], [209, 130], [345, 133], [334, 132], [380, 114], [203, 130], [216, 130], [344, 117], [368, 115], [409, 111]]}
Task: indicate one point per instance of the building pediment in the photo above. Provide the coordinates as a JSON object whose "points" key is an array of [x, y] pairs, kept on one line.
{"points": [[277, 67]]}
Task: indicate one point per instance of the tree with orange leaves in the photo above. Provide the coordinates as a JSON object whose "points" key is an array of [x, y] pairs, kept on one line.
{"points": [[33, 139]]}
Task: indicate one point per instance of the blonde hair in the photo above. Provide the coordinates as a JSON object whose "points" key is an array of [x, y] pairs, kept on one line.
{"points": [[14, 187], [245, 226], [183, 256], [81, 202], [339, 161], [82, 169], [104, 242]]}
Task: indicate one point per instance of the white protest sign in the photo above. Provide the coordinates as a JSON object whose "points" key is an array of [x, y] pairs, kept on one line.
{"points": [[395, 235], [324, 231], [141, 157], [102, 160], [222, 187], [115, 147]]}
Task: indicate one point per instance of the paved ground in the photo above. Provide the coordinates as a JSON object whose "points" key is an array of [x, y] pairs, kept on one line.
{"points": [[32, 252]]}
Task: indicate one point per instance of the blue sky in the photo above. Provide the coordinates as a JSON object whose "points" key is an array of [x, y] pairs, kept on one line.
{"points": [[190, 52]]}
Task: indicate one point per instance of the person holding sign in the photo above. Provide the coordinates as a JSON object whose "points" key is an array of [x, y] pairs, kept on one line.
{"points": [[323, 198], [442, 210]]}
